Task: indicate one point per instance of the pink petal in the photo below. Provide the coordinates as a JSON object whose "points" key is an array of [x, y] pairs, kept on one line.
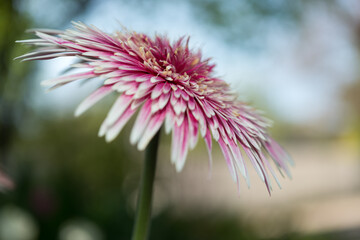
{"points": [[239, 161], [268, 165], [213, 129], [115, 129], [208, 142], [141, 122], [144, 88], [184, 145], [59, 81], [175, 143], [166, 87], [92, 99], [153, 127], [191, 104], [125, 86], [157, 91], [258, 166], [228, 157], [164, 99], [185, 96], [169, 121], [194, 130], [279, 155], [117, 109]]}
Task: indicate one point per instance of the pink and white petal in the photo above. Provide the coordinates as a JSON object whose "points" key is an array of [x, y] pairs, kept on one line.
{"points": [[260, 164], [143, 78], [43, 55], [239, 161], [103, 128], [214, 130], [179, 119], [278, 155], [118, 74], [125, 86], [174, 87], [177, 107], [157, 90], [141, 122], [169, 120], [208, 142], [52, 39], [194, 130], [258, 167], [110, 81], [132, 91], [163, 100], [137, 102], [253, 140], [154, 106], [115, 129], [228, 157], [166, 88], [184, 146], [239, 135], [153, 127], [183, 105], [206, 108], [197, 113], [144, 88], [175, 143], [191, 103], [67, 79], [228, 130], [156, 79], [177, 93], [92, 99], [185, 96], [268, 165], [118, 108]]}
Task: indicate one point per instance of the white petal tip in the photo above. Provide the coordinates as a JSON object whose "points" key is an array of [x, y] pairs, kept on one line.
{"points": [[100, 134], [78, 112], [179, 167], [141, 147], [45, 83], [248, 182], [110, 137], [102, 131], [133, 141]]}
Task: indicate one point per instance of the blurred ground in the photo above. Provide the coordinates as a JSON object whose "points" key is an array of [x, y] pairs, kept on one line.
{"points": [[322, 196]]}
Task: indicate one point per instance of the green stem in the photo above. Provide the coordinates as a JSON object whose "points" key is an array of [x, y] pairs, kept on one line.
{"points": [[143, 212]]}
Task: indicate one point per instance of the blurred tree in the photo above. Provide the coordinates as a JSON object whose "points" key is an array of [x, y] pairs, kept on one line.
{"points": [[12, 84], [352, 90], [67, 174], [242, 23], [15, 84]]}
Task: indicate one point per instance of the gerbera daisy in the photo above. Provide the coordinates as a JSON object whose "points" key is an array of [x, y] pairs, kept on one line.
{"points": [[170, 85]]}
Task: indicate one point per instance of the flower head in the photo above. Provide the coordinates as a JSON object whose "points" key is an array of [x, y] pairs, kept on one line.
{"points": [[170, 85]]}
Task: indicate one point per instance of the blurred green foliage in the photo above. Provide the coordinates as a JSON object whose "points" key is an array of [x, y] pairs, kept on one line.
{"points": [[66, 171], [12, 85], [242, 22]]}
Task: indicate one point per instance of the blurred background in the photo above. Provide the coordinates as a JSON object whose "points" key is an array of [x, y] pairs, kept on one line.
{"points": [[296, 60]]}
